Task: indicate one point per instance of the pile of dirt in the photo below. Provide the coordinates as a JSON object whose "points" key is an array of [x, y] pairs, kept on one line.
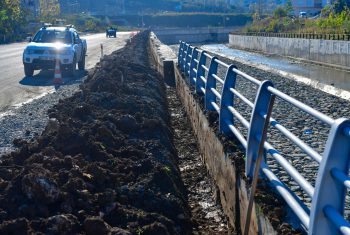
{"points": [[105, 163]]}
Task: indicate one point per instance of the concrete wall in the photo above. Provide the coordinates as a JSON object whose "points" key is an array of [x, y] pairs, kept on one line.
{"points": [[324, 51], [193, 35], [233, 188]]}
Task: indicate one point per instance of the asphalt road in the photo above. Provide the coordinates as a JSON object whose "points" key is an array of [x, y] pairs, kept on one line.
{"points": [[16, 89]]}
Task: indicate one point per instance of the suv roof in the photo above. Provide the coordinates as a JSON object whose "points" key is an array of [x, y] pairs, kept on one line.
{"points": [[59, 28]]}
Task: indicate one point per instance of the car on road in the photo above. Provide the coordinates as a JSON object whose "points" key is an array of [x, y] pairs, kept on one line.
{"points": [[111, 32], [302, 14], [55, 43]]}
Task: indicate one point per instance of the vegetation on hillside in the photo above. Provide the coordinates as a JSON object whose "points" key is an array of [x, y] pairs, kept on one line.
{"points": [[333, 19], [11, 19]]}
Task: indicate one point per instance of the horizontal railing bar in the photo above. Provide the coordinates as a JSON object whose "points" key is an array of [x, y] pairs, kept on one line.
{"points": [[337, 219], [302, 145], [243, 98], [303, 183], [240, 118], [205, 68], [218, 79], [286, 194], [246, 76], [203, 79], [203, 90], [237, 133], [195, 60], [216, 107], [341, 177], [216, 93], [190, 56], [194, 70], [207, 55], [324, 118], [194, 79], [221, 63]]}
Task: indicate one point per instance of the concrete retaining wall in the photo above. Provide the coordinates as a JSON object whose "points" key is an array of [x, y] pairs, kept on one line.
{"points": [[232, 187], [193, 35], [318, 50]]}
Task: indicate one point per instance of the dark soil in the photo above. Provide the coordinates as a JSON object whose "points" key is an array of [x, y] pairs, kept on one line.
{"points": [[105, 163], [203, 197]]}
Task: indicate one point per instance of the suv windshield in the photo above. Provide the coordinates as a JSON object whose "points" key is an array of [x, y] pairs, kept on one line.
{"points": [[50, 36]]}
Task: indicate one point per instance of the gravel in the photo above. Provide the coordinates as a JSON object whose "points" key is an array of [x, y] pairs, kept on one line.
{"points": [[29, 120]]}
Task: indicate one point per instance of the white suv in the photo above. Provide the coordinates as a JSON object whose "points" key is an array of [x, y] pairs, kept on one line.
{"points": [[55, 43]]}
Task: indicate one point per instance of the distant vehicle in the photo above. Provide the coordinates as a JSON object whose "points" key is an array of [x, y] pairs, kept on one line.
{"points": [[111, 32], [302, 14], [55, 43]]}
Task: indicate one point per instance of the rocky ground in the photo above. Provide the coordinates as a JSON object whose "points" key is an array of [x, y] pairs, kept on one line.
{"points": [[203, 197], [107, 159]]}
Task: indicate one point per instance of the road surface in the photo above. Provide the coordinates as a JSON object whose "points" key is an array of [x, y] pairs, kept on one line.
{"points": [[16, 89]]}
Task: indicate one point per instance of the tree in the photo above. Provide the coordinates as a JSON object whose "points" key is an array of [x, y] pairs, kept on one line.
{"points": [[341, 5], [49, 9], [279, 12], [289, 7], [11, 18]]}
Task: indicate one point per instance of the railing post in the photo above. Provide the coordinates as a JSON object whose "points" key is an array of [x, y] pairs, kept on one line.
{"points": [[187, 60], [211, 83], [193, 65], [184, 55], [329, 191], [257, 120], [227, 99], [179, 56], [200, 72]]}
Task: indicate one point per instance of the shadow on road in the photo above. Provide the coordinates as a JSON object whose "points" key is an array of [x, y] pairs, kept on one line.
{"points": [[46, 78]]}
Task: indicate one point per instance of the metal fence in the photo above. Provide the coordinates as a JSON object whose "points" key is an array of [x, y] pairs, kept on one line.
{"points": [[326, 215], [343, 37]]}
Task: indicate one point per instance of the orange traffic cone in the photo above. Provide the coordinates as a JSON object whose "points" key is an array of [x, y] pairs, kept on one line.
{"points": [[58, 75]]}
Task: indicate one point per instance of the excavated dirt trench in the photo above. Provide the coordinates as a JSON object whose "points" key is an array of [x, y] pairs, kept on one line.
{"points": [[107, 162]]}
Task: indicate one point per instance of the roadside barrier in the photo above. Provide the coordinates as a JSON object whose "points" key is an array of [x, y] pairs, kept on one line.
{"points": [[343, 37], [58, 75], [328, 196]]}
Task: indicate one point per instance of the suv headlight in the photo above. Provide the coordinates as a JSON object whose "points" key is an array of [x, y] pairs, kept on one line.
{"points": [[28, 51]]}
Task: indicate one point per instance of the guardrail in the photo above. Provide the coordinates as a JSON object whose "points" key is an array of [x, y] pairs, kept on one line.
{"points": [[328, 196], [343, 37]]}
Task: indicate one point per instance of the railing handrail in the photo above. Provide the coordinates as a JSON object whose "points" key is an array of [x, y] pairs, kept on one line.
{"points": [[328, 196], [327, 36]]}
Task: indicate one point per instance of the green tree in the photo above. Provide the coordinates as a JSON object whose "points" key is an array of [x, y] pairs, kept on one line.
{"points": [[289, 7], [341, 5], [279, 12], [11, 19], [49, 9]]}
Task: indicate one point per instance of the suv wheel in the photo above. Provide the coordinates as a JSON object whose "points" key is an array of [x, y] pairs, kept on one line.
{"points": [[28, 70], [72, 68], [81, 64]]}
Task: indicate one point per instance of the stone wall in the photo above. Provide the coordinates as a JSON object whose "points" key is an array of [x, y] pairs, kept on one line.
{"points": [[193, 35], [332, 52]]}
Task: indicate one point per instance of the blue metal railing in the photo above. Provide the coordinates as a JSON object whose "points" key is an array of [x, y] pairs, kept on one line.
{"points": [[328, 196]]}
